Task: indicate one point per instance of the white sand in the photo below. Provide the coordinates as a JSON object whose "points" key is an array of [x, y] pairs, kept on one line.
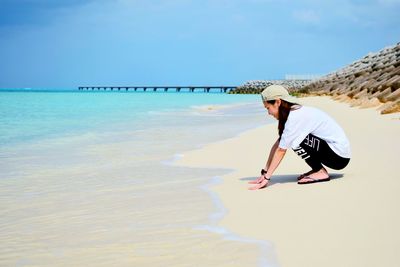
{"points": [[353, 220]]}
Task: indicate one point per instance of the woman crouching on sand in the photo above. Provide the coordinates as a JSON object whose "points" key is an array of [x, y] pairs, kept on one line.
{"points": [[311, 133]]}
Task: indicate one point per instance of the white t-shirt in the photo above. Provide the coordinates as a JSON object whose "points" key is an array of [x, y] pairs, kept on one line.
{"points": [[308, 120]]}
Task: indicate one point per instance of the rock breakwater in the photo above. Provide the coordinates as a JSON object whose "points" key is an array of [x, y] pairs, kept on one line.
{"points": [[371, 81], [257, 86]]}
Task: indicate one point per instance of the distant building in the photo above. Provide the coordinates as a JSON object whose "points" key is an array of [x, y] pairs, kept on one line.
{"points": [[302, 76]]}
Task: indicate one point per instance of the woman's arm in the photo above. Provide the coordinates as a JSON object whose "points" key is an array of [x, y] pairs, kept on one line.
{"points": [[275, 156], [276, 160], [271, 154]]}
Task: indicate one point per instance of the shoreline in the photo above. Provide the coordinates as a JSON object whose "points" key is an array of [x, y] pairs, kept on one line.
{"points": [[311, 219], [266, 258]]}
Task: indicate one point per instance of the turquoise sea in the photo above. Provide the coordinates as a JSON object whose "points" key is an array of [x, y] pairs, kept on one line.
{"points": [[86, 179]]}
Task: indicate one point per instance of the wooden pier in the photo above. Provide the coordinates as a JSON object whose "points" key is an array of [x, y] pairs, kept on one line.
{"points": [[206, 89]]}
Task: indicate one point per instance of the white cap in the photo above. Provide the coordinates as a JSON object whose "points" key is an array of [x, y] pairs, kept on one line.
{"points": [[274, 92]]}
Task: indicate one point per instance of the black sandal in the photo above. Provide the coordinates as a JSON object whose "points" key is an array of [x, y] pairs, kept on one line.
{"points": [[313, 180], [304, 174]]}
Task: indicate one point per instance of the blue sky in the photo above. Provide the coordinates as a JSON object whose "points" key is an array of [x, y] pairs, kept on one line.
{"points": [[61, 44]]}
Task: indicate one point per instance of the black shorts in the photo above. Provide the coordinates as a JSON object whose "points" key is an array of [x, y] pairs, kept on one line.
{"points": [[316, 153]]}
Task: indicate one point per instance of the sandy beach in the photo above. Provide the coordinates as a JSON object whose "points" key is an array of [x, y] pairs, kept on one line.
{"points": [[353, 220]]}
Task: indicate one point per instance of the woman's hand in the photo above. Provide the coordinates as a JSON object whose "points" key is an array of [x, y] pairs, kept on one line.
{"points": [[264, 180], [258, 180]]}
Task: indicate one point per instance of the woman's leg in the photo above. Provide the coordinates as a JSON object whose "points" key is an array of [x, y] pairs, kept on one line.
{"points": [[309, 153], [316, 153]]}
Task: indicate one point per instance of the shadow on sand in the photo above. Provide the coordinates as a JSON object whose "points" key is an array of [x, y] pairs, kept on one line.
{"points": [[288, 178]]}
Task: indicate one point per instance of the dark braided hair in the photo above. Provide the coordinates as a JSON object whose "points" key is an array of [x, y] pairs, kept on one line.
{"points": [[284, 110]]}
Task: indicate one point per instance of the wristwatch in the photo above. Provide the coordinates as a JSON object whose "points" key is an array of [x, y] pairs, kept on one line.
{"points": [[263, 171]]}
